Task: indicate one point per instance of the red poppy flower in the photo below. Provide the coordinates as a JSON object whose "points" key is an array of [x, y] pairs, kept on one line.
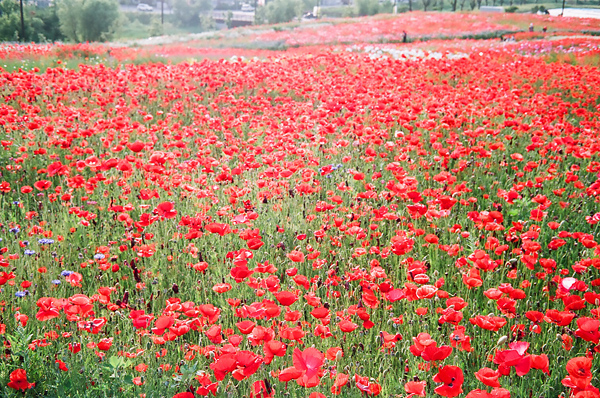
{"points": [[254, 243], [18, 380], [540, 362], [214, 334], [516, 357], [290, 373], [186, 394], [367, 386], [426, 292], [136, 146], [341, 379], [588, 329], [262, 389], [320, 312], [163, 322], [42, 185], [105, 344], [452, 379], [415, 388], [273, 348], [434, 353], [61, 365], [422, 341], [560, 318], [537, 215], [347, 326], [309, 362], [223, 365], [495, 393], [286, 298], [402, 245], [222, 288], [488, 376], [245, 327], [166, 210], [74, 347], [579, 369], [247, 363], [217, 228], [240, 272], [296, 256], [48, 309], [207, 386], [493, 323]]}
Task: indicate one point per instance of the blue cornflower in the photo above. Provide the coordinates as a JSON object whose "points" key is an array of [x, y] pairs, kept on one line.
{"points": [[66, 273], [55, 282], [22, 294], [99, 256], [29, 252], [45, 241]]}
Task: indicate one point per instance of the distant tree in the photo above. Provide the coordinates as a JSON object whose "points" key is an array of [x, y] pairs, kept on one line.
{"points": [[367, 7], [187, 12], [426, 4], [88, 20], [98, 19], [207, 22], [308, 5], [41, 24], [50, 28], [229, 20], [280, 11], [10, 23], [156, 28], [69, 14]]}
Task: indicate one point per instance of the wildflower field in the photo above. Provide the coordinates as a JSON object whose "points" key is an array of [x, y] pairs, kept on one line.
{"points": [[357, 219]]}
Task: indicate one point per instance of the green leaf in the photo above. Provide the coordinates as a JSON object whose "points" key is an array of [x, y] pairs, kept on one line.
{"points": [[115, 361], [188, 370]]}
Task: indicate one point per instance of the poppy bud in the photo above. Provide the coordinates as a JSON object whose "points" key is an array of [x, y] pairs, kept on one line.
{"points": [[175, 288]]}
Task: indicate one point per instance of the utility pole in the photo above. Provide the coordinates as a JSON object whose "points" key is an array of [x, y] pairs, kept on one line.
{"points": [[22, 22], [162, 12], [562, 14]]}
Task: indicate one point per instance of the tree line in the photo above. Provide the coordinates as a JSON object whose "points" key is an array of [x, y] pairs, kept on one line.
{"points": [[99, 20], [72, 20], [86, 20]]}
